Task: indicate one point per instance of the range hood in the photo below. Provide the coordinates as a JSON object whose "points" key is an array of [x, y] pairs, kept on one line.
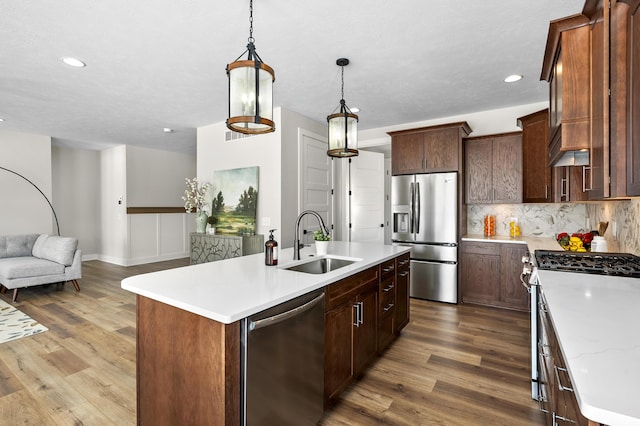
{"points": [[573, 158]]}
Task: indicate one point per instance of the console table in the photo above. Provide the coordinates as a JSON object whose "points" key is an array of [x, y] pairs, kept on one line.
{"points": [[209, 248]]}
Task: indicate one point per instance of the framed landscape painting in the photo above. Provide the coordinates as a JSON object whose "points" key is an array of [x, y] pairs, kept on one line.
{"points": [[235, 200]]}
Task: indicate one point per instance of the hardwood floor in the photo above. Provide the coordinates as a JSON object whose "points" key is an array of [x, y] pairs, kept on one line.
{"points": [[453, 365]]}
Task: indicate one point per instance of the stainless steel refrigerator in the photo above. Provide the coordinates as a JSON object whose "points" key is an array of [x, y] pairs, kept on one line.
{"points": [[424, 211]]}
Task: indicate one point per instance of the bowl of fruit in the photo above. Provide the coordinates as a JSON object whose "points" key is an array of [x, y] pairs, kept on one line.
{"points": [[578, 241]]}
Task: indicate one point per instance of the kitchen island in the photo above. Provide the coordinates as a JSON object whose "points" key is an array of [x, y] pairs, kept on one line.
{"points": [[189, 325]]}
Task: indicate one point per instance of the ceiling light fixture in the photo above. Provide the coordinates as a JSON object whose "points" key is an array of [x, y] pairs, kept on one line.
{"points": [[250, 90], [513, 78], [167, 130], [343, 126], [73, 62]]}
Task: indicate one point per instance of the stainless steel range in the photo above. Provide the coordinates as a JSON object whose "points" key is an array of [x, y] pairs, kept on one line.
{"points": [[612, 264], [617, 264]]}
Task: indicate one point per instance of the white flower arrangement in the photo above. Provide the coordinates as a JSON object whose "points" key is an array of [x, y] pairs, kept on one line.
{"points": [[194, 195]]}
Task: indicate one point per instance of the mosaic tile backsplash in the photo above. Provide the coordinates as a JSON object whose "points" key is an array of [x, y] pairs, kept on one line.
{"points": [[547, 220]]}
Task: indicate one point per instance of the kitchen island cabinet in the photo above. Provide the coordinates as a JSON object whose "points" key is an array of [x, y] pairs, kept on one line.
{"points": [[190, 320], [350, 329]]}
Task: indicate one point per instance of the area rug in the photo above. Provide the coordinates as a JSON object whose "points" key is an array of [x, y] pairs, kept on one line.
{"points": [[14, 324]]}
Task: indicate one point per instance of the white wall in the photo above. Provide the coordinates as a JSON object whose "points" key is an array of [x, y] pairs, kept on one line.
{"points": [[23, 210], [157, 178], [76, 194], [113, 181]]}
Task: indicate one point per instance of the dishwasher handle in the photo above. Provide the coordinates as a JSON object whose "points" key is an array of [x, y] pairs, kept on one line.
{"points": [[254, 325]]}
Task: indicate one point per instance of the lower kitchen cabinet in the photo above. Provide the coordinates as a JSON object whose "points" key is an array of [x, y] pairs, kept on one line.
{"points": [[557, 398], [401, 318], [490, 274], [363, 315], [350, 329]]}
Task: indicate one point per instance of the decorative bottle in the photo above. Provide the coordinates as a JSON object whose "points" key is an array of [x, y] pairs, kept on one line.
{"points": [[271, 250]]}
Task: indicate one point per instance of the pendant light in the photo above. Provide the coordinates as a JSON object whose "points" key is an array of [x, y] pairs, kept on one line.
{"points": [[250, 90], [343, 126]]}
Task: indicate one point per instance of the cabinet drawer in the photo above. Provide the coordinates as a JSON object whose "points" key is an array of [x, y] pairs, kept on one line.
{"points": [[341, 291], [387, 268], [480, 248], [402, 262], [387, 292]]}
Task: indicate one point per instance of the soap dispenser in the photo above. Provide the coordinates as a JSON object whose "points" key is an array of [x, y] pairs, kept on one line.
{"points": [[271, 250]]}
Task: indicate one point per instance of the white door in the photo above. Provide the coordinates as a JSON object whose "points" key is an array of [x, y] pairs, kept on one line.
{"points": [[366, 199], [315, 180]]}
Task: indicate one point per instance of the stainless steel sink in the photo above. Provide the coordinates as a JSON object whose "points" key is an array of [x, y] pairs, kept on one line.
{"points": [[321, 265]]}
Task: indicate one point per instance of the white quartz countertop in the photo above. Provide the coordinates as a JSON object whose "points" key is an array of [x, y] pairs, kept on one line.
{"points": [[598, 327], [232, 289]]}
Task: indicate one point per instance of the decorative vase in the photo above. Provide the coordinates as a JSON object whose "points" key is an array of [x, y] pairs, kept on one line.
{"points": [[322, 247], [201, 222]]}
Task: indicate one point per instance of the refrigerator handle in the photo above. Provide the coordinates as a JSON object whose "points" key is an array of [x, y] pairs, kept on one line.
{"points": [[417, 205], [411, 207]]}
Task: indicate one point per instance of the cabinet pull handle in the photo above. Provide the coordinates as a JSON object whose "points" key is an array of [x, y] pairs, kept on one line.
{"points": [[541, 351], [361, 312], [404, 274], [404, 262], [546, 192], [388, 307], [389, 269], [388, 288], [562, 419], [560, 385], [542, 400], [563, 189], [357, 315], [542, 307], [585, 170]]}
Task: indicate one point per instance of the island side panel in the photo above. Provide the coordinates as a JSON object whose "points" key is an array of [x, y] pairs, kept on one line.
{"points": [[188, 367]]}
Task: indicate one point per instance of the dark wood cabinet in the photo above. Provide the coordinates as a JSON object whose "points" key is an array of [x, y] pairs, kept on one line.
{"points": [[569, 183], [490, 274], [537, 186], [387, 304], [557, 396], [403, 278], [493, 169], [428, 149], [566, 67], [350, 329], [632, 152]]}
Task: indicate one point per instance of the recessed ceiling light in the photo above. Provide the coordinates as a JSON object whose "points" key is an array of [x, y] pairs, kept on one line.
{"points": [[355, 110], [73, 62], [1, 119], [513, 78], [167, 130]]}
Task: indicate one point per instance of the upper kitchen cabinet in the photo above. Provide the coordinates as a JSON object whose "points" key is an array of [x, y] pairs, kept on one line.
{"points": [[536, 173], [428, 149], [493, 169], [567, 69], [633, 147]]}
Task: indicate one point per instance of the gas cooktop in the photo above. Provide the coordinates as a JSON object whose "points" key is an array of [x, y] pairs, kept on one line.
{"points": [[616, 264]]}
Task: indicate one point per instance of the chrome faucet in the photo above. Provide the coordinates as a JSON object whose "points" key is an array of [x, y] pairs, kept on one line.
{"points": [[296, 241]]}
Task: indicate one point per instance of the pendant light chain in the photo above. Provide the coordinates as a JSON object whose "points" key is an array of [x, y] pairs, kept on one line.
{"points": [[251, 39], [342, 91]]}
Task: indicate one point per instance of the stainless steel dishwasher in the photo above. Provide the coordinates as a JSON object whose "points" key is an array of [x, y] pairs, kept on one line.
{"points": [[283, 363]]}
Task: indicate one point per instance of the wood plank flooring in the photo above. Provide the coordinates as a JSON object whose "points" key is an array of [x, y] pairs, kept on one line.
{"points": [[453, 365]]}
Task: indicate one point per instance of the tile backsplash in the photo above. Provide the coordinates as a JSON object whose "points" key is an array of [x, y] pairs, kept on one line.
{"points": [[548, 219]]}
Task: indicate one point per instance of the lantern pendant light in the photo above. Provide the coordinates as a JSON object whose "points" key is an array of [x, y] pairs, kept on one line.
{"points": [[250, 90], [343, 126]]}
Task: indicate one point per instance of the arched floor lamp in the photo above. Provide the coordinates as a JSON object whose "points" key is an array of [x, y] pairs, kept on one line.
{"points": [[45, 197]]}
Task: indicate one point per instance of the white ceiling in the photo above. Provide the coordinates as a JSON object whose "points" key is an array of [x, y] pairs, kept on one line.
{"points": [[161, 63]]}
